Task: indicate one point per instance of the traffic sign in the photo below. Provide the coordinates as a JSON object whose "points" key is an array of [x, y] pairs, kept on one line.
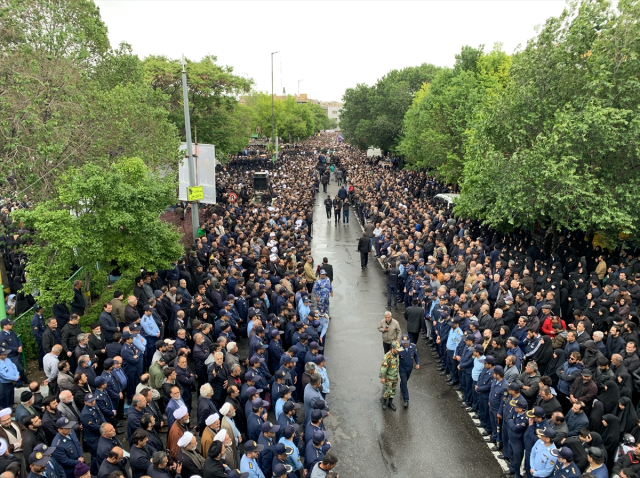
{"points": [[233, 197], [195, 193]]}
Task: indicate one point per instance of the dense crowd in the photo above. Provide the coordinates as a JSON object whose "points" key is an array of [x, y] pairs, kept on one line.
{"points": [[213, 368], [538, 332]]}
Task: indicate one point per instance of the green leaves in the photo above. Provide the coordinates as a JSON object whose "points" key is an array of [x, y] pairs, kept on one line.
{"points": [[435, 127], [559, 145], [101, 215], [372, 116]]}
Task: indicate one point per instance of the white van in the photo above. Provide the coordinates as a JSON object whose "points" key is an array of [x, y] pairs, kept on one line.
{"points": [[447, 198]]}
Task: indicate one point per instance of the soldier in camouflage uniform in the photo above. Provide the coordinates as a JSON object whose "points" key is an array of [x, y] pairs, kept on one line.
{"points": [[389, 375]]}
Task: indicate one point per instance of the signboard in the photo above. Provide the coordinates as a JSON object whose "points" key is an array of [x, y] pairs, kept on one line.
{"points": [[233, 197], [205, 172], [195, 193]]}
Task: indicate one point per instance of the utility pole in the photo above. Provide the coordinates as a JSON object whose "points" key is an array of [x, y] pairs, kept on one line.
{"points": [[273, 122], [192, 161]]}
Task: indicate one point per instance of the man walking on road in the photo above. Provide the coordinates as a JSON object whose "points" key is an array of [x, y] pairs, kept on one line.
{"points": [[389, 375], [408, 355], [390, 329], [328, 205], [364, 248], [392, 273], [345, 212], [414, 315]]}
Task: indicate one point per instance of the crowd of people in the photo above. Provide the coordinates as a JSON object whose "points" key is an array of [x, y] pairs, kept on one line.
{"points": [[211, 369], [539, 333]]}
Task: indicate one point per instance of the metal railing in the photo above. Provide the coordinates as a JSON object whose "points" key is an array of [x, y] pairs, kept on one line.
{"points": [[23, 323]]}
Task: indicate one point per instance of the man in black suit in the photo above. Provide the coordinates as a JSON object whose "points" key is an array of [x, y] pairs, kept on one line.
{"points": [[328, 268], [364, 248]]}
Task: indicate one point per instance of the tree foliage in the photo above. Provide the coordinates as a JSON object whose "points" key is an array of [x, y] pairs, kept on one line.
{"points": [[559, 146], [373, 115], [293, 120], [436, 123], [213, 104], [105, 215]]}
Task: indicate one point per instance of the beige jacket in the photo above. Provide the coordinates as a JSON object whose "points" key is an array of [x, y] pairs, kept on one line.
{"points": [[394, 332]]}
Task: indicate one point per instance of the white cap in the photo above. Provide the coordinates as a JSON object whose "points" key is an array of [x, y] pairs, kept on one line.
{"points": [[4, 412], [180, 412], [185, 439], [211, 419], [225, 409], [169, 341], [220, 436], [273, 257]]}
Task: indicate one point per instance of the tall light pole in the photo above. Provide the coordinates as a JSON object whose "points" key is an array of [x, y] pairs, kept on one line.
{"points": [[192, 161], [273, 122], [299, 87]]}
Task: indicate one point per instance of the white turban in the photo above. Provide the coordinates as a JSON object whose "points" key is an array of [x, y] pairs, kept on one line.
{"points": [[225, 408], [185, 439], [220, 436], [3, 446], [5, 412], [180, 412], [211, 419]]}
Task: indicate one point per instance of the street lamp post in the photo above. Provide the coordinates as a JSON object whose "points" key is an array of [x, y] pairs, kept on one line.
{"points": [[273, 122]]}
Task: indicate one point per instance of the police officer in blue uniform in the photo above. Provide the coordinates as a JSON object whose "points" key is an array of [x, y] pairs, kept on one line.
{"points": [[38, 327], [316, 449], [130, 358], [407, 357], [483, 389], [565, 467], [249, 463], [256, 419], [510, 397], [68, 451], [495, 400], [104, 402], [537, 421], [10, 341], [517, 425], [91, 418], [113, 384], [542, 460], [9, 375]]}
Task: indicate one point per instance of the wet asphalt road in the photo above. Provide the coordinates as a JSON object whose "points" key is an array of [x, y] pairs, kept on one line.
{"points": [[434, 437]]}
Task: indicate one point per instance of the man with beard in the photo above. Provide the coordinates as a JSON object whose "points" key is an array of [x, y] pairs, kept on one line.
{"points": [[213, 467], [69, 409], [50, 417], [218, 373], [38, 463], [228, 424], [178, 429], [141, 453], [33, 434], [192, 461], [211, 429], [147, 423], [98, 345], [26, 406]]}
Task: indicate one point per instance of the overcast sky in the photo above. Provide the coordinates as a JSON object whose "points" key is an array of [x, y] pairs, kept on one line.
{"points": [[330, 45]]}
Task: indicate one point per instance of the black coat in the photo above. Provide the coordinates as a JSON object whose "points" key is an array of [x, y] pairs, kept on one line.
{"points": [[48, 341], [364, 245], [78, 305], [414, 316], [139, 460]]}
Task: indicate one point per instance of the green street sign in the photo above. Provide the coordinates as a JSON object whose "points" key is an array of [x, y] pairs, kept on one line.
{"points": [[195, 193]]}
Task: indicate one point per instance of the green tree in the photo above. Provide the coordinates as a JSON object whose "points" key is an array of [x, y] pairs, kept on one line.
{"points": [[558, 147], [213, 91], [372, 116], [435, 125], [105, 215]]}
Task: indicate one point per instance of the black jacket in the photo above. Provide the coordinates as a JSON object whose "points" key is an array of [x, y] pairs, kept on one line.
{"points": [[140, 459], [414, 315], [78, 305], [328, 268], [48, 341], [364, 245]]}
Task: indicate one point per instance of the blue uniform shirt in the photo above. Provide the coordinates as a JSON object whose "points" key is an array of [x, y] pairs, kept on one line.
{"points": [[8, 371], [407, 357], [542, 461], [454, 338], [251, 467]]}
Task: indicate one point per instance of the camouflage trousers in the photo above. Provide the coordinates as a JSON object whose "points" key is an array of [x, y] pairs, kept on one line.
{"points": [[390, 388]]}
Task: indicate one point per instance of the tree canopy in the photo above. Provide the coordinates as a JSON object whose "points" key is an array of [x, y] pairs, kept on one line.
{"points": [[100, 214], [559, 145], [373, 115]]}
